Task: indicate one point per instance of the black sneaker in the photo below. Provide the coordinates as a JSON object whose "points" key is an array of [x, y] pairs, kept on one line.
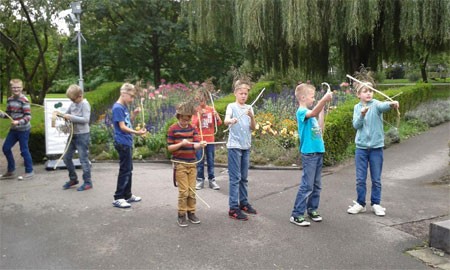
{"points": [[314, 215], [248, 209], [237, 214], [182, 221], [193, 218]]}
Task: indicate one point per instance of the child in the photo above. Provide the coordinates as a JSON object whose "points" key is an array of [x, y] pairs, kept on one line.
{"points": [[368, 122], [180, 138], [209, 120], [242, 121], [79, 113], [19, 112], [123, 142], [312, 149]]}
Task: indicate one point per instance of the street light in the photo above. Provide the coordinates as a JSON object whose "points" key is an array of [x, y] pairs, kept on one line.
{"points": [[75, 16]]}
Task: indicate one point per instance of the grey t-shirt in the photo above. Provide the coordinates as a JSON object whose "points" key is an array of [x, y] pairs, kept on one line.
{"points": [[80, 114]]}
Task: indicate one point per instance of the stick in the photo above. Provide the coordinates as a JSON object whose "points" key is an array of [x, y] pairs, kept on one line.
{"points": [[10, 118], [196, 195], [210, 142]]}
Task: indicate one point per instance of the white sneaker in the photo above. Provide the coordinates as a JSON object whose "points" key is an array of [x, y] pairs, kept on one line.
{"points": [[121, 203], [356, 208], [134, 198], [378, 210]]}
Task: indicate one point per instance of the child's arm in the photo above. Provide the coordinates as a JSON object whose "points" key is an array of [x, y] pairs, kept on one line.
{"points": [[174, 147], [252, 118], [359, 112], [217, 118], [228, 117], [85, 115], [320, 105], [126, 129]]}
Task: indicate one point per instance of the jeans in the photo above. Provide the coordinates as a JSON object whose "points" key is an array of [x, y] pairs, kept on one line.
{"points": [[79, 142], [209, 155], [238, 164], [372, 158], [308, 195], [123, 190], [11, 139]]}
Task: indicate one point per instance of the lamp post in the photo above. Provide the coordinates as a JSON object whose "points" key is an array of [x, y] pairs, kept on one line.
{"points": [[76, 10]]}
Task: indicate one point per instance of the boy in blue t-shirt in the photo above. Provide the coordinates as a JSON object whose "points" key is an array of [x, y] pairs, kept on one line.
{"points": [[312, 149], [123, 142]]}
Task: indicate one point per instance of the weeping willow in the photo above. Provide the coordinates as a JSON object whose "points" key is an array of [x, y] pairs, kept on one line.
{"points": [[298, 33]]}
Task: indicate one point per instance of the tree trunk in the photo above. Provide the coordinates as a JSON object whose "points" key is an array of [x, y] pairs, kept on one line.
{"points": [[423, 68]]}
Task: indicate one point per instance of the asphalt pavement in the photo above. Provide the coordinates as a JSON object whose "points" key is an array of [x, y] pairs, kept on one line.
{"points": [[45, 227]]}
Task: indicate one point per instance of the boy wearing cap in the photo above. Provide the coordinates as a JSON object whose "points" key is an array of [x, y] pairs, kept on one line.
{"points": [[183, 141]]}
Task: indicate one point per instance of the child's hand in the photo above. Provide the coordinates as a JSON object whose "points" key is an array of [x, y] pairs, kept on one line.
{"points": [[66, 116], [203, 144], [15, 123], [328, 96], [185, 142], [137, 110], [395, 104], [233, 121], [141, 132], [249, 113], [364, 110]]}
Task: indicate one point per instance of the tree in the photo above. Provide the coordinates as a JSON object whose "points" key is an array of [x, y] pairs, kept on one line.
{"points": [[425, 27], [30, 37], [299, 33]]}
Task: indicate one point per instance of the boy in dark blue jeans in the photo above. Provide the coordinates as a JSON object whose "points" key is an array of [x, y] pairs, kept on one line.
{"points": [[79, 113], [312, 149], [123, 142], [19, 112]]}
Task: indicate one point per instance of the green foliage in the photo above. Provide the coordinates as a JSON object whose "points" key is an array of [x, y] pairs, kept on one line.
{"points": [[102, 98]]}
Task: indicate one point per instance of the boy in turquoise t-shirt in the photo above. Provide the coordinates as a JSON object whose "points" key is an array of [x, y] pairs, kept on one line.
{"points": [[312, 149]]}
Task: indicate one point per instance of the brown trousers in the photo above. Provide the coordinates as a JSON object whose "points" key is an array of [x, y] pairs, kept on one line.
{"points": [[186, 175]]}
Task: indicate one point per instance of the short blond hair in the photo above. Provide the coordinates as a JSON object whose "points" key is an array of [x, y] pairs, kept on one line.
{"points": [[128, 88], [303, 89], [74, 91], [16, 81], [241, 84]]}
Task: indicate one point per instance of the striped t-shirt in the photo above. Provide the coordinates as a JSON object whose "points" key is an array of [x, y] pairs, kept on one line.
{"points": [[175, 135], [19, 109]]}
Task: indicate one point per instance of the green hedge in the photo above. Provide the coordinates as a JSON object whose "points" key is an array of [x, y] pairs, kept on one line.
{"points": [[100, 100], [339, 132]]}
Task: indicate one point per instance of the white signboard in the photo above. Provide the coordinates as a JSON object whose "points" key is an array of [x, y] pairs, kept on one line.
{"points": [[55, 138]]}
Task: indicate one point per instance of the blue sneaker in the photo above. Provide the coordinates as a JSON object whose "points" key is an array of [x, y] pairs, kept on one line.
{"points": [[85, 186], [70, 183]]}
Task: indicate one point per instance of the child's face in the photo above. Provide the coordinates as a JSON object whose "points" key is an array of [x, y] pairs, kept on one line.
{"points": [[365, 95], [16, 89], [241, 94], [128, 97], [184, 120], [77, 99], [309, 99]]}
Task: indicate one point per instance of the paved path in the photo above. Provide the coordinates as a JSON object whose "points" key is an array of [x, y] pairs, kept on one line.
{"points": [[44, 227]]}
